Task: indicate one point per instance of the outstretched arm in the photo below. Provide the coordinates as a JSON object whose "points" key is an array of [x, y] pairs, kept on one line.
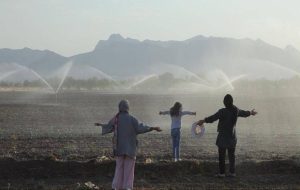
{"points": [[210, 119], [188, 113], [164, 113], [141, 128], [106, 128], [242, 113], [100, 124]]}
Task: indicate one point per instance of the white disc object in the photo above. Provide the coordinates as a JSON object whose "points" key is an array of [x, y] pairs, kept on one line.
{"points": [[197, 130]]}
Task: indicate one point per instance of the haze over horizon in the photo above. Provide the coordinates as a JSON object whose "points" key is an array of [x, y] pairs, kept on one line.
{"points": [[73, 27]]}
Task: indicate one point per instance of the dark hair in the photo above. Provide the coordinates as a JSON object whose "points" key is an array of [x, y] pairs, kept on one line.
{"points": [[174, 111], [228, 102]]}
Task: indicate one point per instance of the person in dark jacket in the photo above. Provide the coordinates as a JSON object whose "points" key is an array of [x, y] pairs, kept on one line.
{"points": [[226, 139]]}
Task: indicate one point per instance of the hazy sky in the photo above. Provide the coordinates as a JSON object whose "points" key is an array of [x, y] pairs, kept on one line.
{"points": [[69, 27]]}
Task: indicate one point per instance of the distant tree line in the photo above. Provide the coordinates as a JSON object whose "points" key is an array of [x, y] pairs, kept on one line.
{"points": [[69, 83], [164, 82]]}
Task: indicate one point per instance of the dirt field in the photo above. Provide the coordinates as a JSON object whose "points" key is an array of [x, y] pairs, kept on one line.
{"points": [[53, 145], [162, 175], [66, 162]]}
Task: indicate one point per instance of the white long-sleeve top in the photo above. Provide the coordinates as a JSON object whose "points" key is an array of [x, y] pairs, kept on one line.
{"points": [[176, 120]]}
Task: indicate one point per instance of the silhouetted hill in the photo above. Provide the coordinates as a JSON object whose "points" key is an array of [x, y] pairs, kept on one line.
{"points": [[41, 61], [120, 58], [128, 57]]}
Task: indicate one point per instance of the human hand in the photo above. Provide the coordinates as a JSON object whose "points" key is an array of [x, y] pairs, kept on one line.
{"points": [[253, 112], [158, 129], [201, 122]]}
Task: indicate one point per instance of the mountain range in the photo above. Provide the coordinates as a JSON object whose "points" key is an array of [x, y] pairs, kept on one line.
{"points": [[119, 58]]}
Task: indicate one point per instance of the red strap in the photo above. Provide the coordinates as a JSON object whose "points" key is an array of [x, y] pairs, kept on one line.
{"points": [[116, 119]]}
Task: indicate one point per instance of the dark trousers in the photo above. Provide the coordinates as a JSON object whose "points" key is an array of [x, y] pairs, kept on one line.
{"points": [[231, 157]]}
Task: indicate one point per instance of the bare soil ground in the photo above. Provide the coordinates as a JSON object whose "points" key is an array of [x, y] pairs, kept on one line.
{"points": [[67, 162], [50, 174], [48, 143]]}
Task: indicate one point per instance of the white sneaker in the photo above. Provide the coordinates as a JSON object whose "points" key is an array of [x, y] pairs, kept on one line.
{"points": [[175, 160]]}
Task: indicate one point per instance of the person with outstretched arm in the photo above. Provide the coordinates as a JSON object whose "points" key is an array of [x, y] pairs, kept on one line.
{"points": [[227, 139], [176, 114], [125, 128]]}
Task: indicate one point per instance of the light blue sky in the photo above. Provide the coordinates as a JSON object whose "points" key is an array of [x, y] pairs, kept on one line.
{"points": [[69, 27]]}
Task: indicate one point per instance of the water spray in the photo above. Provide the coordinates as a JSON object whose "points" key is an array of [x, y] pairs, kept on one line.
{"points": [[67, 69], [226, 78], [102, 74], [65, 74], [181, 70], [231, 81], [142, 80], [5, 75], [284, 68], [36, 74]]}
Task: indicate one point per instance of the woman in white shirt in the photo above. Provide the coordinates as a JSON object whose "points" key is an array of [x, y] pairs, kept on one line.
{"points": [[176, 113]]}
